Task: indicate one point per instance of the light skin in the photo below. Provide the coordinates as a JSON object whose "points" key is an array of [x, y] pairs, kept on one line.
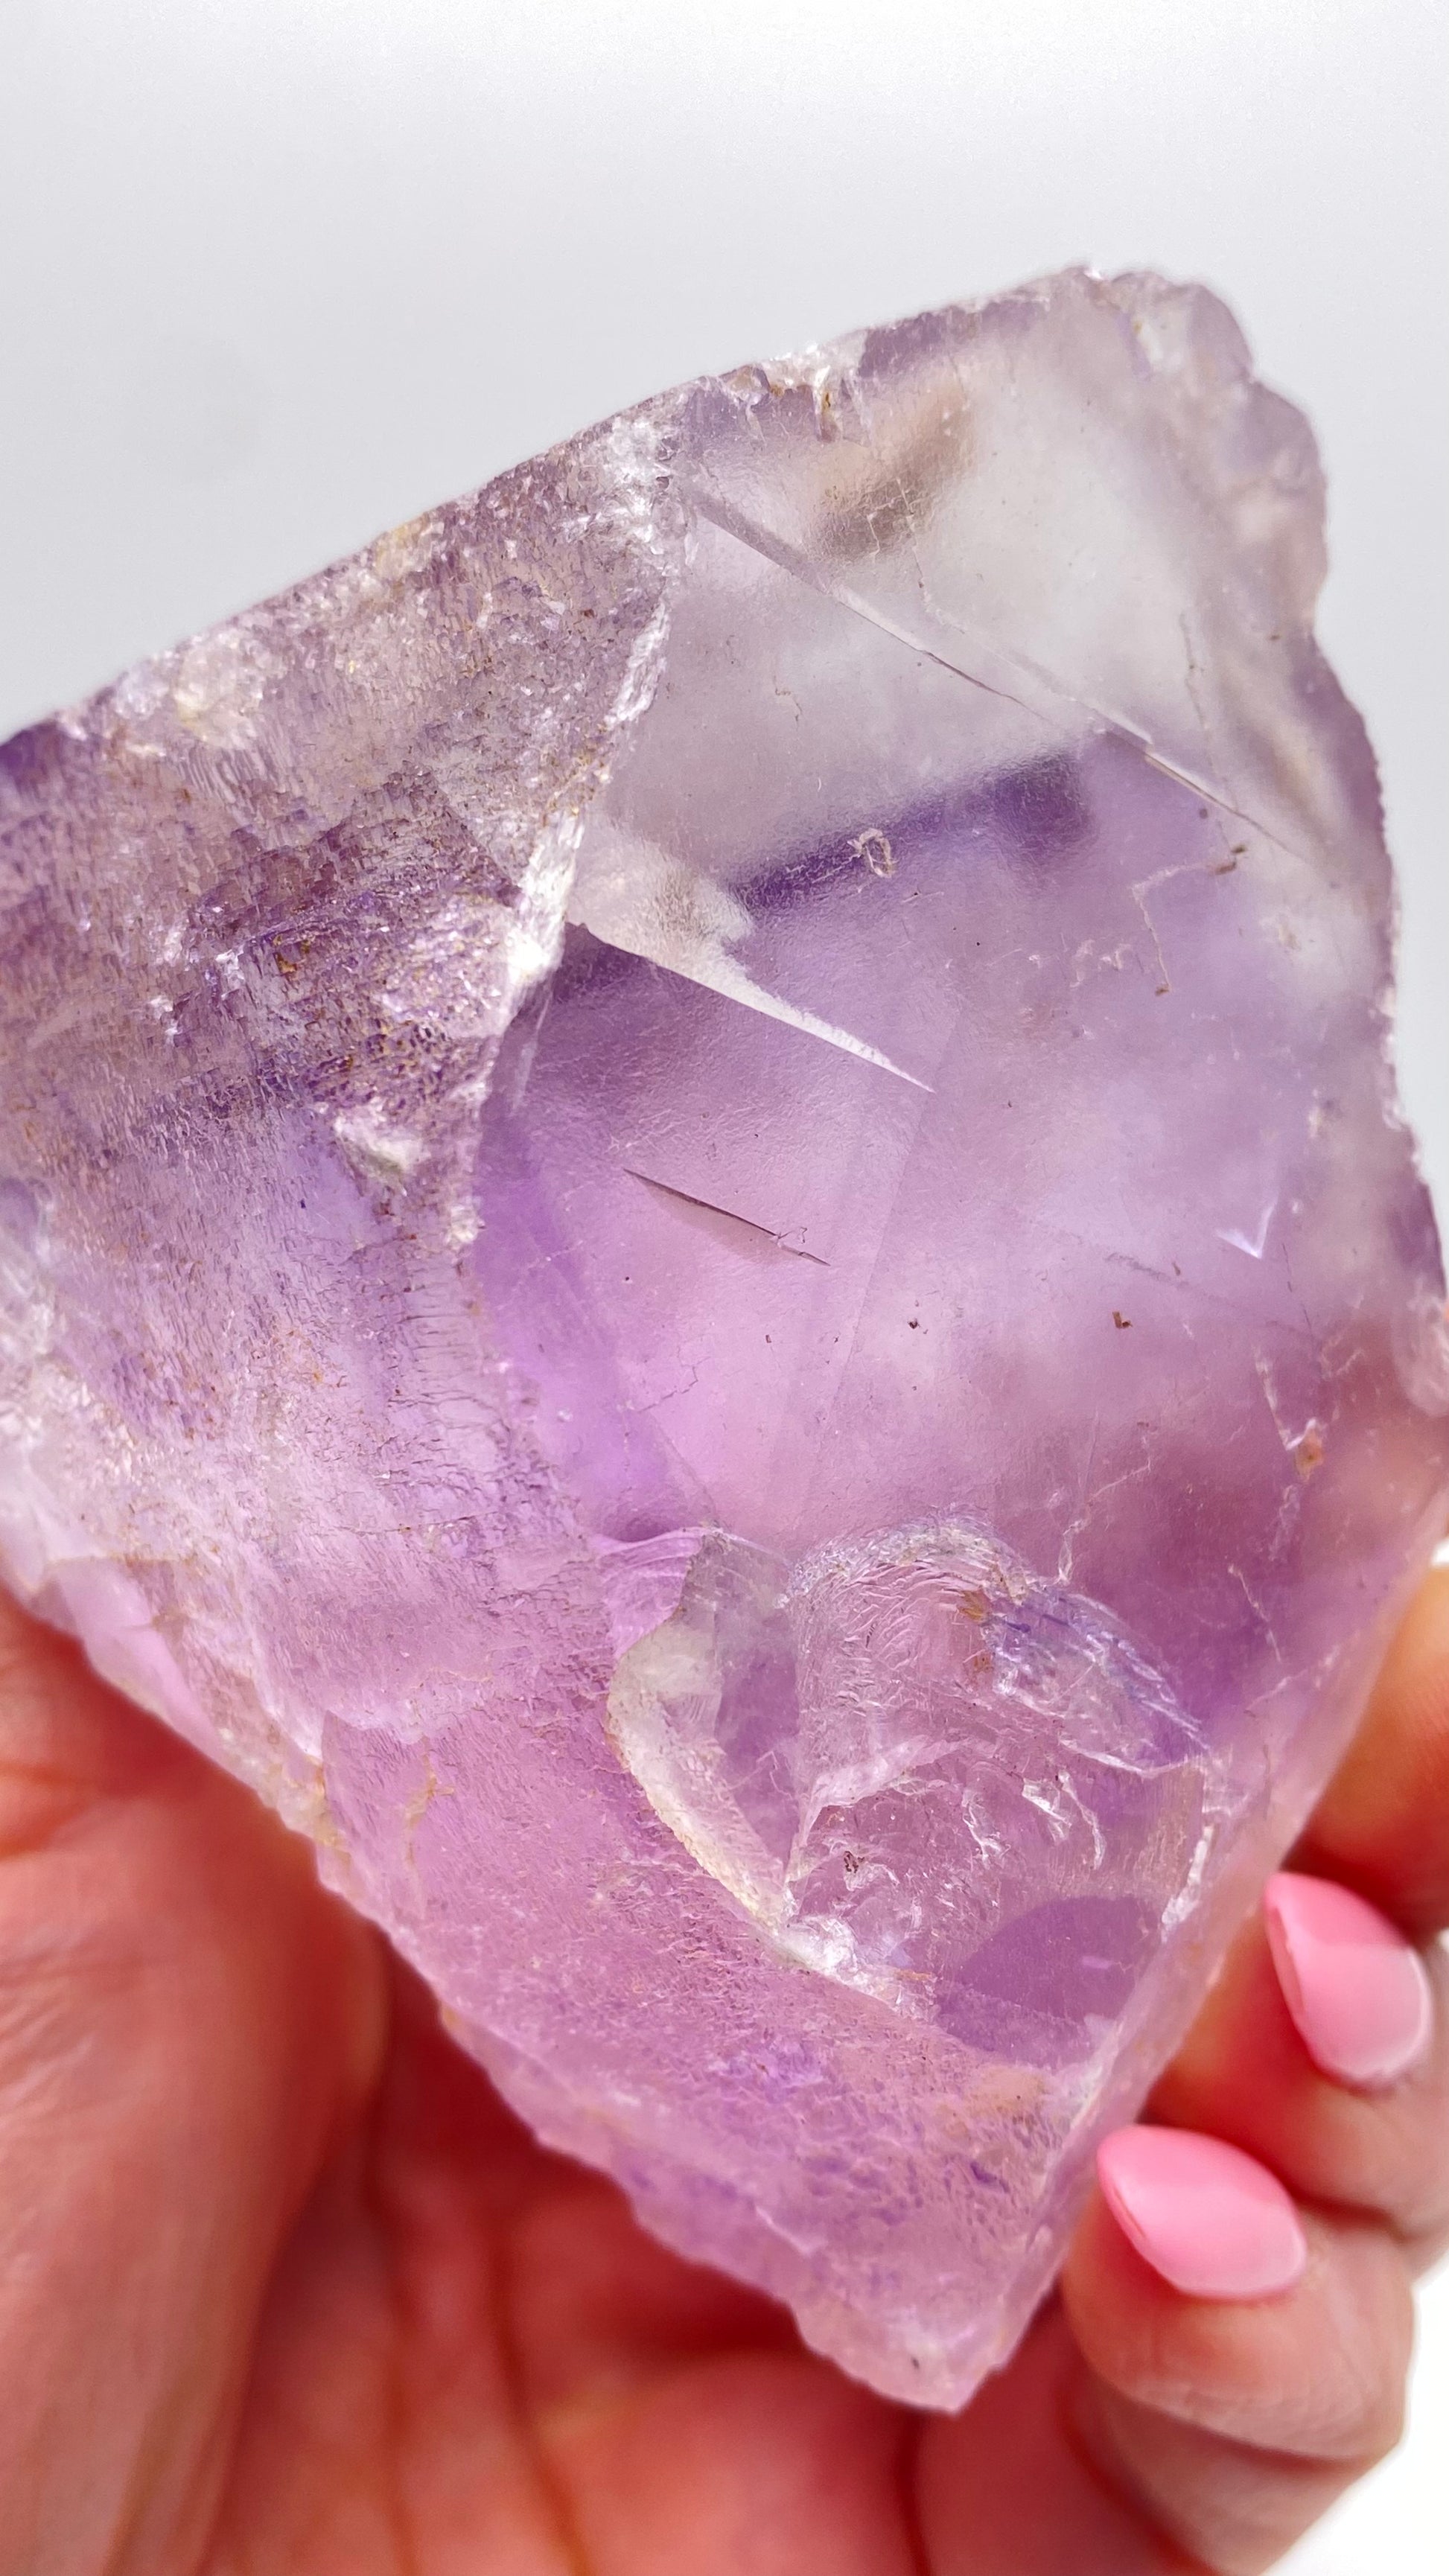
{"points": [[286, 2291]]}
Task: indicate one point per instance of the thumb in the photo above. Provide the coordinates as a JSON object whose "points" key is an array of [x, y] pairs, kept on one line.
{"points": [[183, 2014]]}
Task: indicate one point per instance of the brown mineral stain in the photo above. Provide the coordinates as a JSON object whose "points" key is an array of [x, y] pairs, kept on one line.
{"points": [[1308, 1452]]}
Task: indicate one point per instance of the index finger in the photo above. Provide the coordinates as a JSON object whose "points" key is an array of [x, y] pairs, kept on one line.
{"points": [[1382, 1825]]}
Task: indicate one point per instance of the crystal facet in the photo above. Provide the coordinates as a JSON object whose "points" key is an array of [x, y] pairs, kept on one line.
{"points": [[703, 1241]]}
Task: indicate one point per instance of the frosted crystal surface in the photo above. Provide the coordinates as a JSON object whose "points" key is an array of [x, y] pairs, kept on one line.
{"points": [[704, 1243]]}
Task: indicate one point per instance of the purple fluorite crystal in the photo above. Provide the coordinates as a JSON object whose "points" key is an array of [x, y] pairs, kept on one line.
{"points": [[703, 1241]]}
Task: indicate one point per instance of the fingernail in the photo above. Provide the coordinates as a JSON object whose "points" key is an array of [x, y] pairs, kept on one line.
{"points": [[1213, 2222], [1358, 1992]]}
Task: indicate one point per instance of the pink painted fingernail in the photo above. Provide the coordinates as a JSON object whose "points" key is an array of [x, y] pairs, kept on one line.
{"points": [[1356, 1989], [1213, 2222]]}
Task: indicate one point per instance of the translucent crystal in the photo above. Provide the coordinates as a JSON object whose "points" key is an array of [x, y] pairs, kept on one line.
{"points": [[704, 1242]]}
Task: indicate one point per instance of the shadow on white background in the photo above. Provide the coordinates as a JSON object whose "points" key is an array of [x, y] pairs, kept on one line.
{"points": [[279, 273]]}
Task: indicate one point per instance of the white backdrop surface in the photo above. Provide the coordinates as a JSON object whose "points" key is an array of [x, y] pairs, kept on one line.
{"points": [[281, 272]]}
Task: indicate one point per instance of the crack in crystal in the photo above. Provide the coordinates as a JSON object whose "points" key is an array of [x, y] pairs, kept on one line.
{"points": [[646, 902], [788, 559], [711, 1207]]}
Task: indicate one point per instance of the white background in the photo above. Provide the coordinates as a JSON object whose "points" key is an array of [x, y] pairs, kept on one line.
{"points": [[278, 273]]}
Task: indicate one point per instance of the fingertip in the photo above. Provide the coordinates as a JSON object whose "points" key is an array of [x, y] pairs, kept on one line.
{"points": [[1312, 2367], [1210, 2220], [1358, 1992]]}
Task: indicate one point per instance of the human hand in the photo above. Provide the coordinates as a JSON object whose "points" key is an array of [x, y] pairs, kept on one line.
{"points": [[286, 2291]]}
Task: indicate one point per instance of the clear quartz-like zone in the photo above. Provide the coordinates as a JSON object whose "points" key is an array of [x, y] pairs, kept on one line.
{"points": [[926, 1773], [704, 1242]]}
